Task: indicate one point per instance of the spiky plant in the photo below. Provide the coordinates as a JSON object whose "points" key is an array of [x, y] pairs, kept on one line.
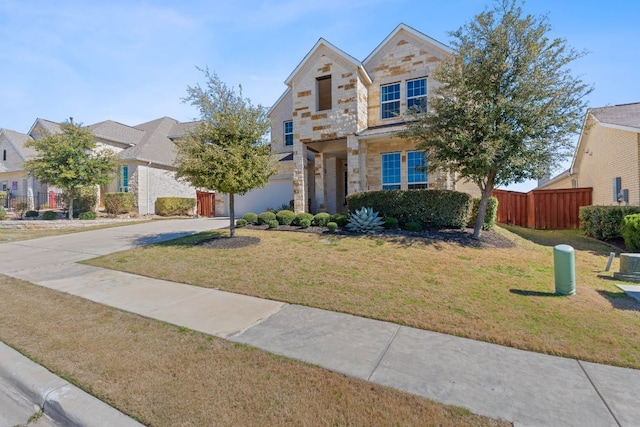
{"points": [[365, 220]]}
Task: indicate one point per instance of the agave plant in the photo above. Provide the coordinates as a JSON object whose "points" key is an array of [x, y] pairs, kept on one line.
{"points": [[365, 220]]}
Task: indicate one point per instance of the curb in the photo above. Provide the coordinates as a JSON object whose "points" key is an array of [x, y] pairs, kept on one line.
{"points": [[61, 401]]}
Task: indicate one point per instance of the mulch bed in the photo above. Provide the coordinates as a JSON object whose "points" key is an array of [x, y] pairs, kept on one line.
{"points": [[488, 238]]}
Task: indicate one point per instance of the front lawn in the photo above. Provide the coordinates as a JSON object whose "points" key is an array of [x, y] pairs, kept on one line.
{"points": [[165, 375], [502, 295]]}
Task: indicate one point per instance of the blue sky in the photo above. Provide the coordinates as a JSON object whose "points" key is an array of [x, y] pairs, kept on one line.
{"points": [[131, 61]]}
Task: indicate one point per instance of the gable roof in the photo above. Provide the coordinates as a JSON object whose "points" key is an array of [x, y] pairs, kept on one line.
{"points": [[319, 45], [155, 146], [404, 27], [18, 141], [116, 132], [624, 116]]}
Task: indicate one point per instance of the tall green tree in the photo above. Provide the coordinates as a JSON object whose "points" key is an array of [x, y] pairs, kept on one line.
{"points": [[71, 160], [227, 150], [508, 105]]}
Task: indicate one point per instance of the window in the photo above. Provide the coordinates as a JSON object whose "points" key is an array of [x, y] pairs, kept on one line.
{"points": [[124, 179], [323, 85], [416, 170], [391, 171], [574, 183], [390, 100], [288, 132], [4, 154], [417, 95]]}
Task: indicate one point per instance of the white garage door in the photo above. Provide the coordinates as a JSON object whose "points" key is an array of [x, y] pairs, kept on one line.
{"points": [[274, 195]]}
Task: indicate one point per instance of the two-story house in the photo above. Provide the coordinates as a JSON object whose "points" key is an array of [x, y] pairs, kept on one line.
{"points": [[335, 124]]}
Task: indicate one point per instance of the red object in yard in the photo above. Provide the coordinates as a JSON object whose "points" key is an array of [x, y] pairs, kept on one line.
{"points": [[52, 200]]}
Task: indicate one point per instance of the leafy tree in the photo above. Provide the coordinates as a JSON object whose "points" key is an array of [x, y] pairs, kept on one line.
{"points": [[226, 151], [507, 105], [71, 160]]}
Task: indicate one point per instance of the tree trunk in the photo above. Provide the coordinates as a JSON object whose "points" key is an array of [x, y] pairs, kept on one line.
{"points": [[232, 217], [70, 207], [482, 211]]}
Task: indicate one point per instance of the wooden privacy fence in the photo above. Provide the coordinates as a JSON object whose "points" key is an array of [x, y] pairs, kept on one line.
{"points": [[542, 208], [206, 203]]}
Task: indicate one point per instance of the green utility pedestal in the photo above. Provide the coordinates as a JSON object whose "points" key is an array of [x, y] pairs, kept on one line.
{"points": [[564, 265]]}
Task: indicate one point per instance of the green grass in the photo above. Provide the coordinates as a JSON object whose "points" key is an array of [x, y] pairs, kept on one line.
{"points": [[503, 296]]}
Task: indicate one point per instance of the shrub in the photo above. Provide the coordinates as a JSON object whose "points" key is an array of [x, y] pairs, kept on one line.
{"points": [[3, 213], [168, 206], [365, 220], [241, 223], [490, 217], [20, 206], [302, 215], [630, 231], [88, 215], [332, 226], [49, 215], [118, 203], [390, 223], [340, 219], [250, 217], [433, 208], [321, 219], [603, 222], [31, 214], [266, 216], [273, 223], [413, 226], [85, 200], [285, 216], [305, 222]]}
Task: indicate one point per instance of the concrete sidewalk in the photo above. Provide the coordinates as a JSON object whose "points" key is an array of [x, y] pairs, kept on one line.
{"points": [[529, 389]]}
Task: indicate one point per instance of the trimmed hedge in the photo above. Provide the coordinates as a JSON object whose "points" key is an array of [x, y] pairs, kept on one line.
{"points": [[285, 216], [630, 230], [321, 219], [88, 215], [431, 208], [303, 216], [49, 216], [85, 201], [118, 203], [490, 216], [603, 222], [241, 223], [265, 217], [250, 217], [168, 206]]}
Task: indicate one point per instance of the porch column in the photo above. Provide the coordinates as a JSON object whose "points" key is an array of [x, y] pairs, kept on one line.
{"points": [[30, 193], [300, 184], [320, 181], [355, 166]]}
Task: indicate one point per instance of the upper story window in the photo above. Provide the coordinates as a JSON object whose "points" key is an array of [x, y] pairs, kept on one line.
{"points": [[417, 95], [288, 132], [323, 86], [4, 154], [416, 170], [390, 100], [391, 171]]}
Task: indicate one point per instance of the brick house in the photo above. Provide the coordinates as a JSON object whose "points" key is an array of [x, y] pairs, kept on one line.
{"points": [[607, 157], [334, 126], [145, 152]]}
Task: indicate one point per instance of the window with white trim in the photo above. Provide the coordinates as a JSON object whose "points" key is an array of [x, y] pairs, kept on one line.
{"points": [[391, 171], [288, 132], [390, 101], [416, 170], [417, 95]]}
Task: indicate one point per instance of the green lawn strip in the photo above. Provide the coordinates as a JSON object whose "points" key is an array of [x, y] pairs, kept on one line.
{"points": [[503, 296], [165, 375]]}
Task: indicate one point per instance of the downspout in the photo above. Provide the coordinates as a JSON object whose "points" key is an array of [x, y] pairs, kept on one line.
{"points": [[148, 189]]}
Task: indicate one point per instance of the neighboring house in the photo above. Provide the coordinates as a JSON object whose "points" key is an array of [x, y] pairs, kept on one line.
{"points": [[13, 178], [146, 153], [607, 157], [334, 126]]}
